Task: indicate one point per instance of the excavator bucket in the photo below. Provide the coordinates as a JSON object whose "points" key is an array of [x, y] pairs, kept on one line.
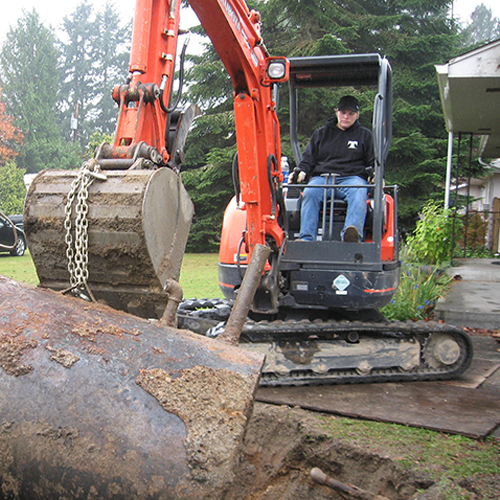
{"points": [[97, 403], [137, 223]]}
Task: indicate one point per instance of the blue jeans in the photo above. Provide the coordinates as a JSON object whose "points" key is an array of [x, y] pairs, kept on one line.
{"points": [[313, 199]]}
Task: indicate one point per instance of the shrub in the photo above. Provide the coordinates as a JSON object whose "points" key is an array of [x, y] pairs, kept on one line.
{"points": [[418, 292], [473, 232], [431, 240], [12, 189]]}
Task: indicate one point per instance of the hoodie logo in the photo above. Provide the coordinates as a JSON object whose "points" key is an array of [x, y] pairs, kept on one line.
{"points": [[352, 144]]}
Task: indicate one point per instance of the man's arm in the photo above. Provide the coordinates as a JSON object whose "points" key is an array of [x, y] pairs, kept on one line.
{"points": [[306, 164]]}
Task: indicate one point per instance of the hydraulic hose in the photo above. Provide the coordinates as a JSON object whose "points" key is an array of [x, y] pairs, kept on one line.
{"points": [[181, 82], [271, 159], [236, 178]]}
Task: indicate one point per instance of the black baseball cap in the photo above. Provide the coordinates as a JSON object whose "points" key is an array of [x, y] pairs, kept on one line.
{"points": [[348, 102]]}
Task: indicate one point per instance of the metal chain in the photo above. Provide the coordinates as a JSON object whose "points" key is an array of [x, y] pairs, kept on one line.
{"points": [[77, 246]]}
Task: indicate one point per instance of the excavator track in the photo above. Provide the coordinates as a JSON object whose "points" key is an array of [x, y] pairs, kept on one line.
{"points": [[339, 352]]}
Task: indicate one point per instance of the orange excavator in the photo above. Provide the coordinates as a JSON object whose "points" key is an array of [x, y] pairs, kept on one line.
{"points": [[315, 315], [115, 231]]}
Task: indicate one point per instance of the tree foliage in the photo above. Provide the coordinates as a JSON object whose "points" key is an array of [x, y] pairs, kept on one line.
{"points": [[93, 59], [12, 189], [482, 27], [47, 81], [30, 80], [10, 135]]}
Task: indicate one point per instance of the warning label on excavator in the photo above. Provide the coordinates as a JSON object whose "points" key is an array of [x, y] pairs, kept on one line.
{"points": [[341, 283]]}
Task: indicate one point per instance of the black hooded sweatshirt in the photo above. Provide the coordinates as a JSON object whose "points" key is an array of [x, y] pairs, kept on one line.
{"points": [[344, 152]]}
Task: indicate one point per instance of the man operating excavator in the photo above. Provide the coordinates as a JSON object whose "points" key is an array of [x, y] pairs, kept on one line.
{"points": [[345, 148]]}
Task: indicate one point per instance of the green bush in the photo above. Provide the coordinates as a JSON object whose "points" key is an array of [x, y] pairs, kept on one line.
{"points": [[418, 292], [12, 189], [431, 240]]}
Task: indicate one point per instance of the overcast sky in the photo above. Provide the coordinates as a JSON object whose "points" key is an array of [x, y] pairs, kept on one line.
{"points": [[53, 11]]}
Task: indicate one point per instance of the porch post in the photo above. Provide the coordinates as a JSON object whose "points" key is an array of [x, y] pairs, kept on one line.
{"points": [[449, 163]]}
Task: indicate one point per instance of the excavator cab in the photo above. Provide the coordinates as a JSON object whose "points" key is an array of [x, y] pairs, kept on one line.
{"points": [[327, 327], [328, 276], [328, 272]]}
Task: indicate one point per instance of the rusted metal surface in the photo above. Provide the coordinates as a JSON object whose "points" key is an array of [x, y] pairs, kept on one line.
{"points": [[349, 490], [246, 294], [96, 403], [138, 224]]}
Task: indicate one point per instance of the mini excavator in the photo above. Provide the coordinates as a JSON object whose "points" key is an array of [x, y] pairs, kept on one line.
{"points": [[118, 227]]}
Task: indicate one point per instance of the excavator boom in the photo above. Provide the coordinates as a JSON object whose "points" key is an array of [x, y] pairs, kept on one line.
{"points": [[131, 204]]}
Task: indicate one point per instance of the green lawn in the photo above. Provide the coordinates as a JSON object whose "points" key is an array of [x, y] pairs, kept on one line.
{"points": [[198, 274], [19, 268]]}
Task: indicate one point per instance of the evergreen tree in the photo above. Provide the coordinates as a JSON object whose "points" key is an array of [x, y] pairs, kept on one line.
{"points": [[77, 85], [94, 60], [111, 57], [210, 149], [481, 28], [29, 73]]}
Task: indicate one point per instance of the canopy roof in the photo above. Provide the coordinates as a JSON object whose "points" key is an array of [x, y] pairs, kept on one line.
{"points": [[469, 86]]}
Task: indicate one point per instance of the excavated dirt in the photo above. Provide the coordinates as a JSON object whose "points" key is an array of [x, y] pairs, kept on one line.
{"points": [[63, 357], [11, 351], [214, 420], [282, 445]]}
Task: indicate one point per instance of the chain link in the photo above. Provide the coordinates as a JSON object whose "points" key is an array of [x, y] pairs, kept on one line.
{"points": [[77, 245]]}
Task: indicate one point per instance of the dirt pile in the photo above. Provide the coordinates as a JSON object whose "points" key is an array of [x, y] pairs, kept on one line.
{"points": [[283, 444]]}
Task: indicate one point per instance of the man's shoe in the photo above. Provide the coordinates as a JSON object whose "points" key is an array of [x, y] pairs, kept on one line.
{"points": [[351, 234]]}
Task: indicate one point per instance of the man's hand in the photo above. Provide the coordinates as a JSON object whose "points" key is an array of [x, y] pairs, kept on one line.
{"points": [[370, 172], [297, 176]]}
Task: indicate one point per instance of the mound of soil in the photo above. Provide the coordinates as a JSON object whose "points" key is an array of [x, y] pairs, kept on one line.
{"points": [[283, 444]]}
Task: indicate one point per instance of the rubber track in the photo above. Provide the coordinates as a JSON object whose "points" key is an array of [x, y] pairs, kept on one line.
{"points": [[420, 330], [264, 332]]}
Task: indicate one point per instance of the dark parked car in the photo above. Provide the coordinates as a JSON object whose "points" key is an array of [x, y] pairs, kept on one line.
{"points": [[7, 238]]}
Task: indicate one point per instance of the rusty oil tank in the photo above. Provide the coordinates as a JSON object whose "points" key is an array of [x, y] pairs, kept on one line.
{"points": [[100, 404]]}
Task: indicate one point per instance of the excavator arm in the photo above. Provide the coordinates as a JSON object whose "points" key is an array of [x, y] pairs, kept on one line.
{"points": [[234, 31], [120, 224], [145, 107]]}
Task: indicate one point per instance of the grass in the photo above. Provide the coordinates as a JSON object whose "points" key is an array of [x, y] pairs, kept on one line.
{"points": [[199, 276], [447, 459], [19, 268], [198, 273]]}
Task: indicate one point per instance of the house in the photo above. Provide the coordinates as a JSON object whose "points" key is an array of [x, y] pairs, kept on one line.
{"points": [[469, 87]]}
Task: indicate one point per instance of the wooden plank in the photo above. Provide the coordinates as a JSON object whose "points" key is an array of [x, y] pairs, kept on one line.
{"points": [[458, 410], [479, 371]]}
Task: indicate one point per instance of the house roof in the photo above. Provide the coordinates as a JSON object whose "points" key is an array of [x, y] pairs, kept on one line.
{"points": [[469, 87]]}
